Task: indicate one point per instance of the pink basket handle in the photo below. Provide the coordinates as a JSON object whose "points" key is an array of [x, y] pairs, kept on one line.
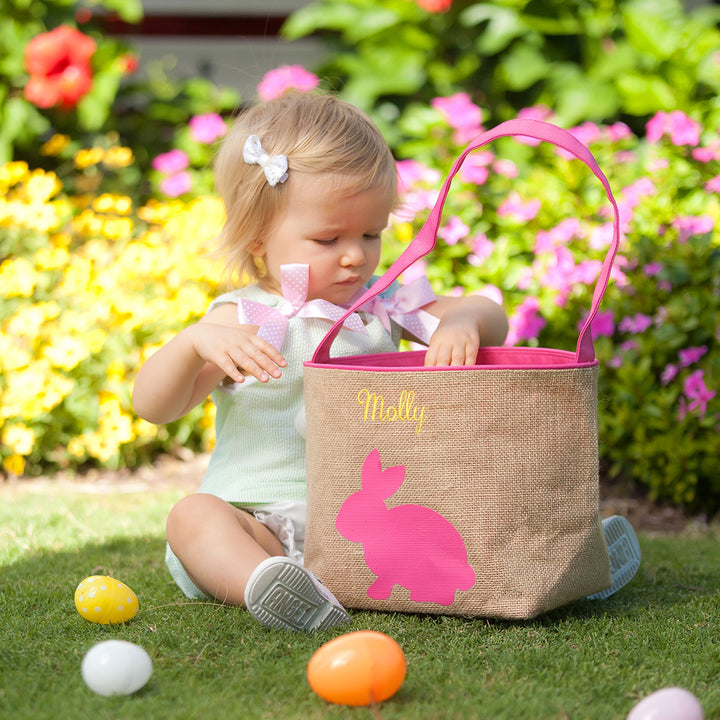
{"points": [[425, 240]]}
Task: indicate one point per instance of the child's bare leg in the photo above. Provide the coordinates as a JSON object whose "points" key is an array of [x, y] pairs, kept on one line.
{"points": [[218, 545]]}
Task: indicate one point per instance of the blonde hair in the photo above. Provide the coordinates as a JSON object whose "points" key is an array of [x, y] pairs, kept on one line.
{"points": [[319, 135]]}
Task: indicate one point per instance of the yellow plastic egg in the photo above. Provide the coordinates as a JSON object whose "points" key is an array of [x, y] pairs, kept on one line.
{"points": [[358, 668], [105, 600]]}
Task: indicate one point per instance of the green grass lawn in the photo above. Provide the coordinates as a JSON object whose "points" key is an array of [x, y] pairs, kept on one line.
{"points": [[589, 660]]}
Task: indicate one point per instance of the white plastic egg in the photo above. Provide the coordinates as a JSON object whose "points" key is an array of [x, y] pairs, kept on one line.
{"points": [[670, 703], [116, 667]]}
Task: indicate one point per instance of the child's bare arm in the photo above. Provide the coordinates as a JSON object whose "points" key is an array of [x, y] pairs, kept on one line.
{"points": [[184, 371], [466, 324]]}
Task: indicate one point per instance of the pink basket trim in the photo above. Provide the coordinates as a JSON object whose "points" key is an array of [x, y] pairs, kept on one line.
{"points": [[489, 358]]}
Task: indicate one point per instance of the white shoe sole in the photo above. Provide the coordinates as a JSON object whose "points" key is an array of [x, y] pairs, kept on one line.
{"points": [[624, 551], [282, 594]]}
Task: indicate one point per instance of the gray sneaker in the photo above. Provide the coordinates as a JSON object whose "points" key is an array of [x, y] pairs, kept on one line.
{"points": [[624, 551], [282, 594]]}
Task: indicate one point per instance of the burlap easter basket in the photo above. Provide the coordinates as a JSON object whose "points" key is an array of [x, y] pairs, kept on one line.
{"points": [[464, 491]]}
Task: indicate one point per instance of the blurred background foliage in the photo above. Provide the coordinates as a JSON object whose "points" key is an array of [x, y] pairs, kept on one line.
{"points": [[107, 208], [587, 60]]}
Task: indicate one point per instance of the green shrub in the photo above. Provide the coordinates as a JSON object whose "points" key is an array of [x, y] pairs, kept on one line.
{"points": [[586, 60]]}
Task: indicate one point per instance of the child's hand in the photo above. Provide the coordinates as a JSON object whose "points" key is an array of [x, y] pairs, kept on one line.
{"points": [[455, 342], [465, 324], [237, 351]]}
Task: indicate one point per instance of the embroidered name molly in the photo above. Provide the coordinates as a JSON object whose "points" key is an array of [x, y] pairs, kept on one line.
{"points": [[404, 411]]}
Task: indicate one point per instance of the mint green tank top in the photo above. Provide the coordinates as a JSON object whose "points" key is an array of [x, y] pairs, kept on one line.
{"points": [[259, 454]]}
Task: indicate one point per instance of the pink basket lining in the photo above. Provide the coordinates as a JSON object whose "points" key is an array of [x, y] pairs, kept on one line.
{"points": [[489, 358]]}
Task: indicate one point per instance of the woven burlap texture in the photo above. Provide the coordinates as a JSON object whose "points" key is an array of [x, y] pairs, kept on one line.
{"points": [[508, 456]]}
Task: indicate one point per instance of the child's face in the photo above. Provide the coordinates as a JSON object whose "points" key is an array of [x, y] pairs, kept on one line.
{"points": [[335, 232]]}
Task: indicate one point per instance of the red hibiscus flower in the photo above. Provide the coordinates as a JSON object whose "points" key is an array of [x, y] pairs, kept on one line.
{"points": [[59, 67], [434, 6]]}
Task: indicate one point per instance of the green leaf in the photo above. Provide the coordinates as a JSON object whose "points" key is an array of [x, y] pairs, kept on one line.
{"points": [[523, 66], [654, 26], [131, 11], [94, 108], [645, 94], [504, 25]]}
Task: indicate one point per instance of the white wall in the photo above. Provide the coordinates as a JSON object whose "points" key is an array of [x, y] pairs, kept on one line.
{"points": [[237, 62]]}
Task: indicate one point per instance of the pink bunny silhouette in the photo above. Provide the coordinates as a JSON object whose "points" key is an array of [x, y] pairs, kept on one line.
{"points": [[408, 545]]}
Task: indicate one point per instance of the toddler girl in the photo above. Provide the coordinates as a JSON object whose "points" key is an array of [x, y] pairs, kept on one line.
{"points": [[308, 184]]}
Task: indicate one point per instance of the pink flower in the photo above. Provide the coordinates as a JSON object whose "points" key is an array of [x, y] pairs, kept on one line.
{"points": [[691, 355], [693, 225], [514, 206], [618, 131], [586, 272], [171, 162], [460, 113], [556, 271], [653, 269], [682, 129], [177, 184], [207, 128], [415, 202], [474, 169], [416, 270], [669, 374], [505, 167], [707, 154], [454, 231], [635, 323], [625, 156], [287, 77], [482, 249], [526, 322], [411, 172], [603, 324], [713, 185], [561, 234], [697, 392]]}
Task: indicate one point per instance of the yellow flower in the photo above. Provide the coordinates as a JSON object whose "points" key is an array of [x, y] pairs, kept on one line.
{"points": [[144, 431], [87, 157], [29, 319], [118, 427], [76, 448], [55, 145], [18, 277], [12, 357], [61, 240], [41, 186], [66, 352], [14, 464], [19, 438], [404, 232], [104, 203], [207, 421], [115, 370], [99, 446], [114, 228], [118, 157], [51, 258], [13, 172]]}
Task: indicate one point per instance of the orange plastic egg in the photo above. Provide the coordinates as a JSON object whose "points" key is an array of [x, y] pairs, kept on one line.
{"points": [[358, 668], [105, 600]]}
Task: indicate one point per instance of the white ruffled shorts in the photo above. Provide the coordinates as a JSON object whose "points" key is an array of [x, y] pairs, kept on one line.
{"points": [[286, 520]]}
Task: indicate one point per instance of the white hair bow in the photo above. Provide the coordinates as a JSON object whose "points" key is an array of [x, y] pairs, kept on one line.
{"points": [[274, 166]]}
